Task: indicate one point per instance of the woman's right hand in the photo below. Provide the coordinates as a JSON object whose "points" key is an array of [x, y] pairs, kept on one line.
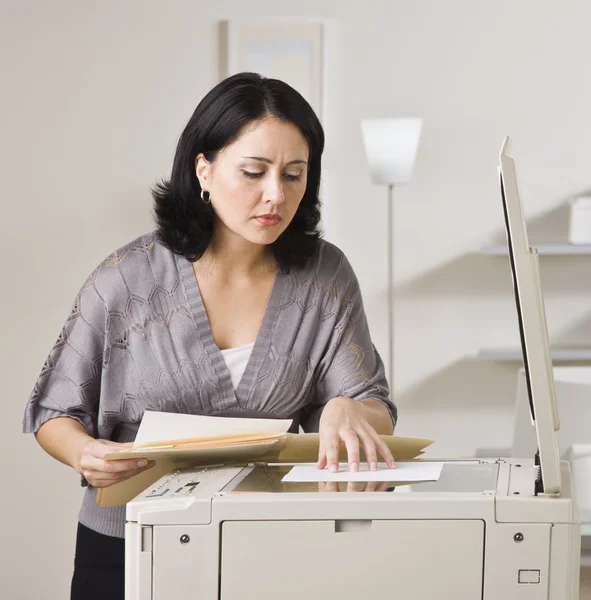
{"points": [[102, 473]]}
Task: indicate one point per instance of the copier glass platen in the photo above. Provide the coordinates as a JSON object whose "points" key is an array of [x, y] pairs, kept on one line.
{"points": [[489, 529]]}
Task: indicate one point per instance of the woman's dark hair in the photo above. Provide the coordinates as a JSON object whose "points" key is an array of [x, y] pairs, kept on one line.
{"points": [[185, 223]]}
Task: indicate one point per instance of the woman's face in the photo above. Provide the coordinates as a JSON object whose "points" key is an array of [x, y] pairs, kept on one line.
{"points": [[257, 183]]}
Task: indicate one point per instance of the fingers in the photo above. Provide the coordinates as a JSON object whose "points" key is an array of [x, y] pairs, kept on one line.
{"points": [[354, 432], [332, 448], [101, 479], [371, 486], [121, 466], [331, 486], [99, 448], [352, 443], [328, 486], [355, 486], [102, 473], [321, 456], [369, 447], [94, 463], [383, 449], [372, 443], [367, 486], [121, 447]]}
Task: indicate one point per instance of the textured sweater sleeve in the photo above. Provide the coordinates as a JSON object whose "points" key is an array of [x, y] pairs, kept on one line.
{"points": [[351, 365], [70, 380]]}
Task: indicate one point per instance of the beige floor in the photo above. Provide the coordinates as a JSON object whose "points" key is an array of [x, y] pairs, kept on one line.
{"points": [[585, 584]]}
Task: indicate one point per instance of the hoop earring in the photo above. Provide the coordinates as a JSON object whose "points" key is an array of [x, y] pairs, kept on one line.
{"points": [[205, 199]]}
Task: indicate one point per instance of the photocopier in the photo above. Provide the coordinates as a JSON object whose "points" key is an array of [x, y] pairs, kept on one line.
{"points": [[490, 529]]}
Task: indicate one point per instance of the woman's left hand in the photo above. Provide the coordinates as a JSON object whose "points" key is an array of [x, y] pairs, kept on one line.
{"points": [[344, 420]]}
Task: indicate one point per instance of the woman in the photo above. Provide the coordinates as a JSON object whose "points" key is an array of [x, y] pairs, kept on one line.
{"points": [[234, 306]]}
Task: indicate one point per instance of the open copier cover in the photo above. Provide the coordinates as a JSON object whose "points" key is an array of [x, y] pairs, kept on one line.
{"points": [[533, 330], [489, 528]]}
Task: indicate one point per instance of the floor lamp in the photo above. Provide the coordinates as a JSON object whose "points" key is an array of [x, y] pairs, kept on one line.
{"points": [[391, 147]]}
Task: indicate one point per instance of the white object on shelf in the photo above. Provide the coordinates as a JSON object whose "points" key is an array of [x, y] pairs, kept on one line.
{"points": [[515, 354], [579, 456], [573, 375], [579, 230], [543, 249], [574, 407]]}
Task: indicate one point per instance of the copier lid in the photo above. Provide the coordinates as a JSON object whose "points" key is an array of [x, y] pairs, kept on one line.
{"points": [[533, 331]]}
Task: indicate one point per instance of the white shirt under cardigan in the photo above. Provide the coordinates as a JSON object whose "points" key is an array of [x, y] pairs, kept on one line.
{"points": [[236, 360], [138, 338]]}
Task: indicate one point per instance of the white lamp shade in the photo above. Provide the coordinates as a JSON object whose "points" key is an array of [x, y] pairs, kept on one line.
{"points": [[391, 148]]}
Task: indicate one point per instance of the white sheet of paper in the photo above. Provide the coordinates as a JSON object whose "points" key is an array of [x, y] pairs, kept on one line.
{"points": [[404, 471], [161, 426]]}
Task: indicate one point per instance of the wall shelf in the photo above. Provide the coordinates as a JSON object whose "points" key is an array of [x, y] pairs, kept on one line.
{"points": [[515, 354], [543, 249], [558, 355]]}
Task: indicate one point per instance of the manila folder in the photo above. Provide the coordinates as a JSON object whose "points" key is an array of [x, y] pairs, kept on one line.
{"points": [[277, 448]]}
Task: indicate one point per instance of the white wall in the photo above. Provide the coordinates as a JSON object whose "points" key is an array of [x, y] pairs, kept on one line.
{"points": [[94, 96]]}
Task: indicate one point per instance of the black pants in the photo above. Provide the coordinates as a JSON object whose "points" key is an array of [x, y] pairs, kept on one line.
{"points": [[98, 566]]}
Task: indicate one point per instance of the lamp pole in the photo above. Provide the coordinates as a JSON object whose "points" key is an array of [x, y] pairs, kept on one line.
{"points": [[390, 290], [391, 148]]}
